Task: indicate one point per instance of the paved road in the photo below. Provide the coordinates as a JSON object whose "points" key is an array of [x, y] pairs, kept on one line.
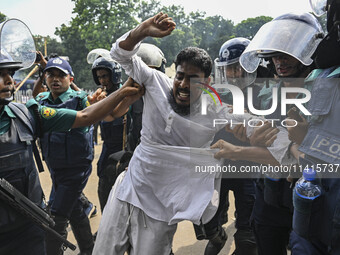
{"points": [[184, 243]]}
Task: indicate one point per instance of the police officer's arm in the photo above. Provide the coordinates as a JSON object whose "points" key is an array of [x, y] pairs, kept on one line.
{"points": [[38, 85], [294, 150], [124, 105], [255, 154], [159, 26], [297, 133], [101, 109], [74, 86]]}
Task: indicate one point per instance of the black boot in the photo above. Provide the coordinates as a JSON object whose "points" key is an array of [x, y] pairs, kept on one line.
{"points": [[216, 244], [245, 243], [53, 245], [82, 232]]}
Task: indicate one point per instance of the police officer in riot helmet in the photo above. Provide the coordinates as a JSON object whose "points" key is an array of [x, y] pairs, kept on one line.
{"points": [[107, 73], [288, 42], [328, 52], [18, 235], [229, 71], [316, 230], [152, 56]]}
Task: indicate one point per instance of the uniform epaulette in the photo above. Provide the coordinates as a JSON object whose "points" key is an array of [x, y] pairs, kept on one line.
{"points": [[42, 96], [266, 91], [336, 72], [31, 102], [81, 94], [312, 75]]}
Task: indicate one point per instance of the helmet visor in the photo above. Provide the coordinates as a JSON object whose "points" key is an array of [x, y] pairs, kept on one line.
{"points": [[318, 6], [151, 55], [233, 74], [96, 53], [292, 37], [16, 39], [225, 63]]}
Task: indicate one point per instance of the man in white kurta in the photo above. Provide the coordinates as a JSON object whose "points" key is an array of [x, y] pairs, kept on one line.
{"points": [[161, 187]]}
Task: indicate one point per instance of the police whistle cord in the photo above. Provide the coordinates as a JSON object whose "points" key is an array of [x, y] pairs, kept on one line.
{"points": [[26, 78], [26, 207]]}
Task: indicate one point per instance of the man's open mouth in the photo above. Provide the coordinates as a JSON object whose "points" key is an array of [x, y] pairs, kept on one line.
{"points": [[55, 86], [183, 95]]}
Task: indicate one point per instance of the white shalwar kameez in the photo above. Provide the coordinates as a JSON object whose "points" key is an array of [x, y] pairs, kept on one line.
{"points": [[161, 187]]}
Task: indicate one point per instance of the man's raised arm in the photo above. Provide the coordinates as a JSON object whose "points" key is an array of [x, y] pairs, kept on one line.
{"points": [[159, 26]]}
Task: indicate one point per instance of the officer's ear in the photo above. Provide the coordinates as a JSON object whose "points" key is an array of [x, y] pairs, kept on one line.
{"points": [[207, 80], [71, 79]]}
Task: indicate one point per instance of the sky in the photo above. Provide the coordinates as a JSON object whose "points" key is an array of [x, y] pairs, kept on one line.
{"points": [[43, 16]]}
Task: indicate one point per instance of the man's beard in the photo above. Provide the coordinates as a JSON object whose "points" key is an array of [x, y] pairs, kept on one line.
{"points": [[182, 110]]}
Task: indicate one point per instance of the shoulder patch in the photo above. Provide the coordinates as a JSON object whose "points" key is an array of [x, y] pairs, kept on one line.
{"points": [[47, 112]]}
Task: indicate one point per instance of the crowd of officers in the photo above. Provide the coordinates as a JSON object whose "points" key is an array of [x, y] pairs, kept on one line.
{"points": [[61, 118]]}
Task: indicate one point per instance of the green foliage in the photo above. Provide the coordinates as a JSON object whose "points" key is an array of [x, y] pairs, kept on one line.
{"points": [[52, 45], [148, 9], [249, 27], [2, 17], [212, 32], [98, 23], [75, 48], [101, 22], [183, 36]]}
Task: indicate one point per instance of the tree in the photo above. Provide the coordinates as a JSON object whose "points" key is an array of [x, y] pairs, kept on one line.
{"points": [[97, 24], [249, 27], [101, 22], [212, 32], [52, 45], [2, 17], [75, 49], [181, 37], [148, 9]]}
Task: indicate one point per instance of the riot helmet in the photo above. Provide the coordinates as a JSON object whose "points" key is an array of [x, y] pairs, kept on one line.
{"points": [[109, 64], [227, 67], [297, 35], [17, 48], [152, 56], [332, 7], [328, 51], [6, 61]]}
